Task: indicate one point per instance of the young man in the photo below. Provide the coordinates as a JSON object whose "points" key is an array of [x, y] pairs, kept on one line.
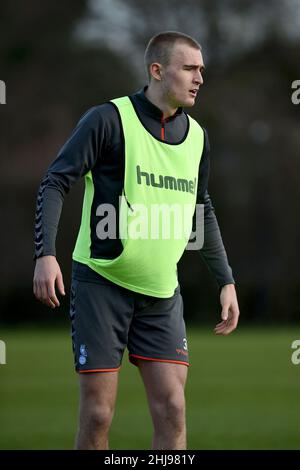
{"points": [[125, 292]]}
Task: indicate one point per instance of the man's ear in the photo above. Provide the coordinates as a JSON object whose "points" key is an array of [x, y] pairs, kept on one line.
{"points": [[155, 70]]}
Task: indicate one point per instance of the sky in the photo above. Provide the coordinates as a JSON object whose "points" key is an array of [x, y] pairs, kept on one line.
{"points": [[116, 24]]}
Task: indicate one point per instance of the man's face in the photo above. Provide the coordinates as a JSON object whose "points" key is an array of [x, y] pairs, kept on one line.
{"points": [[182, 77]]}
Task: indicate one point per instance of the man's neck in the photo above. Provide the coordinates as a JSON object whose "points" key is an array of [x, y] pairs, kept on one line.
{"points": [[155, 98]]}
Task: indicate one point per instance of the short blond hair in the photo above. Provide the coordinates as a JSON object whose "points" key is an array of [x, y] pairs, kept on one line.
{"points": [[160, 47]]}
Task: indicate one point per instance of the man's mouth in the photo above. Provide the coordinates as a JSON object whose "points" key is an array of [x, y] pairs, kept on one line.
{"points": [[194, 92]]}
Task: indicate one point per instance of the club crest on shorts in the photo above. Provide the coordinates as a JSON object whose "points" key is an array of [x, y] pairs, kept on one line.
{"points": [[83, 354]]}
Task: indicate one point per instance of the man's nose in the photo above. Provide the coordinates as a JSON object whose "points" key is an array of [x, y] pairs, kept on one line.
{"points": [[198, 78]]}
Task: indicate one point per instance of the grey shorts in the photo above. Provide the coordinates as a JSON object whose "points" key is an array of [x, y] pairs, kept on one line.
{"points": [[105, 318]]}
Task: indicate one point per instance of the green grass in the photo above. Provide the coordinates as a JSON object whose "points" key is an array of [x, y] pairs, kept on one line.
{"points": [[242, 392]]}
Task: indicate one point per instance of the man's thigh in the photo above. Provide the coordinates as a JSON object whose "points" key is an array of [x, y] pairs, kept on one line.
{"points": [[98, 389], [164, 384], [161, 378]]}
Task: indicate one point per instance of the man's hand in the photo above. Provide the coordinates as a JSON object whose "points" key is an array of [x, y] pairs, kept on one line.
{"points": [[46, 273], [230, 311]]}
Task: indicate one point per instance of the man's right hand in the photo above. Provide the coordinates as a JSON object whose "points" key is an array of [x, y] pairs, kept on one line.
{"points": [[47, 272]]}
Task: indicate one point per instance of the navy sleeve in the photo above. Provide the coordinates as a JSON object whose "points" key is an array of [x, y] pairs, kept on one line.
{"points": [[74, 160], [213, 252]]}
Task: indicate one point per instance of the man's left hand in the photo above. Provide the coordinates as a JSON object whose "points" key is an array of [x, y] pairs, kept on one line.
{"points": [[230, 311]]}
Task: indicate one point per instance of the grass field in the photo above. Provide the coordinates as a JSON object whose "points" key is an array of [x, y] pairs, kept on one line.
{"points": [[242, 392]]}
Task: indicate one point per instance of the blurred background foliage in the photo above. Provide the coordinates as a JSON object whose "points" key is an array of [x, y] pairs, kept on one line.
{"points": [[59, 59]]}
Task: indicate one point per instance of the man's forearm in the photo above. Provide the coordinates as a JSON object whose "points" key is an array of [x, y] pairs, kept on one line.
{"points": [[213, 251], [48, 211]]}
